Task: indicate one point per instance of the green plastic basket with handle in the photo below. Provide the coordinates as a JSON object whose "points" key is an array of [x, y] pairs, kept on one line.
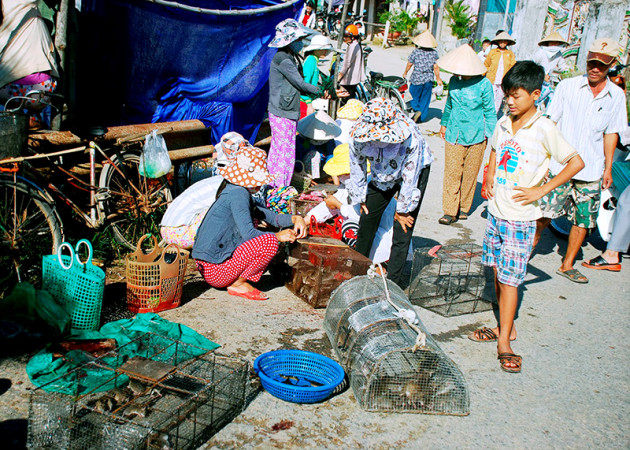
{"points": [[77, 285]]}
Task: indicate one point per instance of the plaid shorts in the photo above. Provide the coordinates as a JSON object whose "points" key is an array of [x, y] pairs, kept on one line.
{"points": [[579, 200], [507, 245]]}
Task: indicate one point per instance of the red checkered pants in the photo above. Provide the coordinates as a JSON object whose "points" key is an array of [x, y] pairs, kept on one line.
{"points": [[249, 261]]}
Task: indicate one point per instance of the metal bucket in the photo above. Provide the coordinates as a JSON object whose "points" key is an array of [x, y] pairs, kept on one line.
{"points": [[13, 133]]}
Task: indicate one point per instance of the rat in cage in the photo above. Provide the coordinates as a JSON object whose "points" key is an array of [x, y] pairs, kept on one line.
{"points": [[422, 390], [133, 400]]}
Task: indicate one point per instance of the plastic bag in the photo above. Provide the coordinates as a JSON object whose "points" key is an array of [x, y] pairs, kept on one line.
{"points": [[154, 162], [438, 90]]}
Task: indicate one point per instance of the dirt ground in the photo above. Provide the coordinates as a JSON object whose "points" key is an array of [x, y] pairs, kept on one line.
{"points": [[573, 391]]}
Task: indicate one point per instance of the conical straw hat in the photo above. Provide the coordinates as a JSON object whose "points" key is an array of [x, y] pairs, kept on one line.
{"points": [[425, 39], [554, 37], [318, 126], [462, 61], [503, 36]]}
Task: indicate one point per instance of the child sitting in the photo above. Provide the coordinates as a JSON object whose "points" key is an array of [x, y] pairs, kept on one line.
{"points": [[522, 146]]}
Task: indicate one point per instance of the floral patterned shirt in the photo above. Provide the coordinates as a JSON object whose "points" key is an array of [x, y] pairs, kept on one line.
{"points": [[391, 164], [423, 60]]}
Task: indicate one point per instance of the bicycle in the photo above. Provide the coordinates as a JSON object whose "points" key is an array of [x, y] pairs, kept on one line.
{"points": [[378, 85], [119, 198]]}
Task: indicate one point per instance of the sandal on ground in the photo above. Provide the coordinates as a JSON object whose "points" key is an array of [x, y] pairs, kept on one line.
{"points": [[250, 295], [462, 216], [573, 275], [446, 220], [599, 263], [510, 362], [484, 334]]}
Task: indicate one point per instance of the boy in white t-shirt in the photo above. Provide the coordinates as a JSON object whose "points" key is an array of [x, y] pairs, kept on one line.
{"points": [[522, 146]]}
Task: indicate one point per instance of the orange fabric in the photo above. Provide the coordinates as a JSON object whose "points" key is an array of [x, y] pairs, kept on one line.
{"points": [[492, 62]]}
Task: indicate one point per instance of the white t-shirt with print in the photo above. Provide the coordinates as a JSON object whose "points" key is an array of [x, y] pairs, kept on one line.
{"points": [[522, 159]]}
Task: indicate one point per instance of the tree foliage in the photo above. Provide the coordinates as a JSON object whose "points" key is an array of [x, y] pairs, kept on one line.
{"points": [[461, 19]]}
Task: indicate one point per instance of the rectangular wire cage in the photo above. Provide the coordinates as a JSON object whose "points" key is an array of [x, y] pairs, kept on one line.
{"points": [[377, 349], [450, 280], [172, 395], [317, 270]]}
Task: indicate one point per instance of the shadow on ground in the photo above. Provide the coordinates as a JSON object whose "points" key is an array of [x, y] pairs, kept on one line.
{"points": [[13, 433]]}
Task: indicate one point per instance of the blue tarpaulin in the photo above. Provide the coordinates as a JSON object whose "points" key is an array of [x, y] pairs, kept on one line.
{"points": [[142, 62]]}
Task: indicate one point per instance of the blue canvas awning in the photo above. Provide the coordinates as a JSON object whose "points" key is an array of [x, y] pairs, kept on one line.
{"points": [[154, 61]]}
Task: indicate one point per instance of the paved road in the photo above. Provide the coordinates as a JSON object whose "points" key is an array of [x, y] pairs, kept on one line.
{"points": [[573, 391]]}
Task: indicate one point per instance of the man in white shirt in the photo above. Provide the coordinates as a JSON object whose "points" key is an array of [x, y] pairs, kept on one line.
{"points": [[590, 111]]}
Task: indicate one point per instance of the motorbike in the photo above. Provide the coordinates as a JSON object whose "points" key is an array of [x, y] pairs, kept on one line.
{"points": [[333, 23], [616, 77], [358, 20], [321, 24]]}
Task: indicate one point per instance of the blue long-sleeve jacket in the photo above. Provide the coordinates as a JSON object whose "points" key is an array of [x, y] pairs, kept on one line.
{"points": [[229, 223]]}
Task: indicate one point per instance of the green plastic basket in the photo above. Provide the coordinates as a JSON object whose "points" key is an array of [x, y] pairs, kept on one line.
{"points": [[76, 285]]}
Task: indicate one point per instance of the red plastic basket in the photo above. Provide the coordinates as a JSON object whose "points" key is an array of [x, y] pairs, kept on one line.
{"points": [[324, 229]]}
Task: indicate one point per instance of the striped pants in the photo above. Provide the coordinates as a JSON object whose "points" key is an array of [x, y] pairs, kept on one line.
{"points": [[461, 167]]}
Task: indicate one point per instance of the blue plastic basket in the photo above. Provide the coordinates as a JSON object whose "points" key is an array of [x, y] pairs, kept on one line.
{"points": [[298, 376]]}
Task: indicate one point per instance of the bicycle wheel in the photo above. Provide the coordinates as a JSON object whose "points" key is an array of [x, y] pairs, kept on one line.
{"points": [[130, 203], [363, 93], [396, 97], [29, 229]]}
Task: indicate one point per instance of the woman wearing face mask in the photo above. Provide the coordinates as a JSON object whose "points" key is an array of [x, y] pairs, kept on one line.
{"points": [[230, 251], [549, 56], [286, 83]]}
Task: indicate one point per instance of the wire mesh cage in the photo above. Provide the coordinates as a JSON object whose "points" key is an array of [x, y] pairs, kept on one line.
{"points": [[378, 350], [172, 395], [317, 270], [450, 280]]}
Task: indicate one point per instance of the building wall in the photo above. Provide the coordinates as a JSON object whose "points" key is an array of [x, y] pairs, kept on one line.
{"points": [[578, 21]]}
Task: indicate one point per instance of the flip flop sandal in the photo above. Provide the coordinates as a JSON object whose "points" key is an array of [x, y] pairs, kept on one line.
{"points": [[484, 334], [515, 362], [446, 220], [462, 216], [599, 263], [251, 295], [573, 275]]}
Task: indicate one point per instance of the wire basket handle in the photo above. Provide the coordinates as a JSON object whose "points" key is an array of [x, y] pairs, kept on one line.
{"points": [[409, 315], [62, 246], [152, 255], [88, 260], [170, 269]]}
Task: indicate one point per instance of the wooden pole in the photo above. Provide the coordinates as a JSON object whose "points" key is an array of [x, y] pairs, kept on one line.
{"points": [[332, 110], [61, 25], [505, 16]]}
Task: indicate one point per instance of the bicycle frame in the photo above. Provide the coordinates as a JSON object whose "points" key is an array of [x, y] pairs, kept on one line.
{"points": [[92, 219]]}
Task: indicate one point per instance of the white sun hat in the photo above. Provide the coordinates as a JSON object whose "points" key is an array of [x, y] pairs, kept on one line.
{"points": [[318, 42]]}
